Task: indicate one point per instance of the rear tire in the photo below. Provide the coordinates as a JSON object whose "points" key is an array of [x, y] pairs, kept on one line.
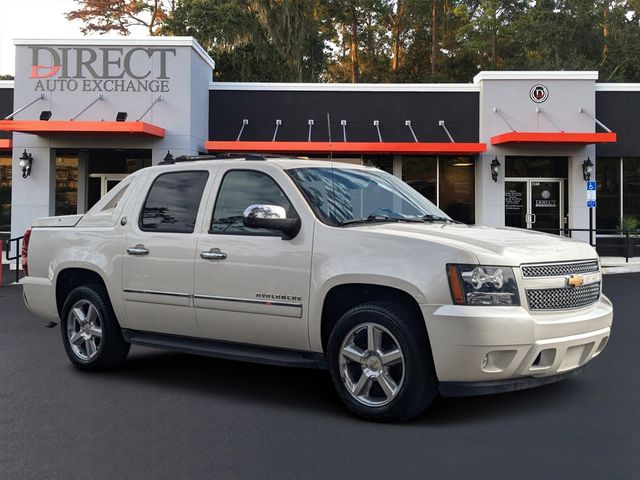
{"points": [[90, 332], [380, 362]]}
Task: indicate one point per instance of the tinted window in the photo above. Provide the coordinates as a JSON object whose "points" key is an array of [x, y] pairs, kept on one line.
{"points": [[240, 189], [173, 202], [340, 195]]}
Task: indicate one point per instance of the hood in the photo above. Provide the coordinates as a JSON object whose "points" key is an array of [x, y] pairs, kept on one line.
{"points": [[494, 245]]}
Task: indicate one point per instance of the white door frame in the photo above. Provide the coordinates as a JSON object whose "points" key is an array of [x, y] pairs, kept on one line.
{"points": [[106, 177]]}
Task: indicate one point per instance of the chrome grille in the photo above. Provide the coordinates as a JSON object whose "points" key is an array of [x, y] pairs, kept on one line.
{"points": [[559, 269], [563, 298]]}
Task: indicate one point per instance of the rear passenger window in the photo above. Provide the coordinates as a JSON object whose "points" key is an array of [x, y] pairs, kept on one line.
{"points": [[173, 202]]}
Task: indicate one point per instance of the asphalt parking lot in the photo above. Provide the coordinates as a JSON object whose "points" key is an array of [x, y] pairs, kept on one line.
{"points": [[169, 415]]}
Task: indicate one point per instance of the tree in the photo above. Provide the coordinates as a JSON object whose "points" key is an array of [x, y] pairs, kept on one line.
{"points": [[254, 40], [119, 16]]}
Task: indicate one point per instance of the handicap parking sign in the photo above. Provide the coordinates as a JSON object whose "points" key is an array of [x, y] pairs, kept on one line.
{"points": [[591, 186], [591, 203]]}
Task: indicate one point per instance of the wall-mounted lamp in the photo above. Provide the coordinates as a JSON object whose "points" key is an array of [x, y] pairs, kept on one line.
{"points": [[45, 115], [26, 159], [495, 169], [587, 169], [121, 116]]}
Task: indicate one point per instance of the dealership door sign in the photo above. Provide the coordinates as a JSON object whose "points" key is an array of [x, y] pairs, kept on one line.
{"points": [[101, 69]]}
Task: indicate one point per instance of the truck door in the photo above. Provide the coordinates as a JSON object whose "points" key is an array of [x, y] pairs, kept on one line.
{"points": [[251, 286], [160, 247]]}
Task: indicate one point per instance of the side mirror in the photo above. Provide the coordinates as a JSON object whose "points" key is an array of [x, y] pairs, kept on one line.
{"points": [[271, 217]]}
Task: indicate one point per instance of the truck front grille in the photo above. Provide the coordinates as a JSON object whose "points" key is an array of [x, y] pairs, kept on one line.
{"points": [[559, 269], [563, 298]]}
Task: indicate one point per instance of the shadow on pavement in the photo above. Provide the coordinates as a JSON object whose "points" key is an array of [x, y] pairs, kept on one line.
{"points": [[312, 390]]}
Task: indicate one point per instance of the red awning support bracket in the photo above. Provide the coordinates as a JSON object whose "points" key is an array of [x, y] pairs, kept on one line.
{"points": [[442, 124], [376, 123], [592, 117], [310, 122], [343, 123], [245, 122], [504, 119], [100, 97], [153, 104], [540, 111], [275, 132], [407, 123], [13, 114]]}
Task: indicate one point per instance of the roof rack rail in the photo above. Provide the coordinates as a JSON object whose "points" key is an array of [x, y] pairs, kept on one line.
{"points": [[219, 156]]}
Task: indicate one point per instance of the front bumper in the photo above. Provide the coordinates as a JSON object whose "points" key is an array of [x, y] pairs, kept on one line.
{"points": [[494, 344], [468, 389]]}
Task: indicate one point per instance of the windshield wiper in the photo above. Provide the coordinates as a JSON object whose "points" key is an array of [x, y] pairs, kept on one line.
{"points": [[435, 218], [378, 219]]}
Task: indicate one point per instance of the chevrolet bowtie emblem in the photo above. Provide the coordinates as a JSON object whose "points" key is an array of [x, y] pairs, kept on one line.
{"points": [[575, 280]]}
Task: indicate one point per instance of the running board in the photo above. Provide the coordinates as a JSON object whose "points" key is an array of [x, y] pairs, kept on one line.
{"points": [[226, 350]]}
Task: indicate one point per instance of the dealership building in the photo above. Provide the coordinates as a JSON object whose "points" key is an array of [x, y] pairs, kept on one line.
{"points": [[508, 148]]}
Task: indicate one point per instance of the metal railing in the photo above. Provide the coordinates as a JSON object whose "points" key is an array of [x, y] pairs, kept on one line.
{"points": [[606, 240], [17, 255]]}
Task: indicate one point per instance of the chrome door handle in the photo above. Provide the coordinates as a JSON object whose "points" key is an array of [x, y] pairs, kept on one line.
{"points": [[138, 250], [533, 218], [213, 254]]}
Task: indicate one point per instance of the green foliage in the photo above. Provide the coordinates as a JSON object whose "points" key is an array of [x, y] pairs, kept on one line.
{"points": [[629, 223], [395, 40]]}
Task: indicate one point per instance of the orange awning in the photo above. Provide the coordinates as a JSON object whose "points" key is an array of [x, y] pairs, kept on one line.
{"points": [[5, 144], [41, 127], [385, 148], [553, 138]]}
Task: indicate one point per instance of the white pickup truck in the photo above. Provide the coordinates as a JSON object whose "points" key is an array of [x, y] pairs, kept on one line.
{"points": [[311, 264]]}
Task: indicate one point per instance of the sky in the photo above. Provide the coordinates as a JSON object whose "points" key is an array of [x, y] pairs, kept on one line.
{"points": [[33, 19]]}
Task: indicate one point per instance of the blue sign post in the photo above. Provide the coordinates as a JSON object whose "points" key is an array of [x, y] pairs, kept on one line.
{"points": [[591, 204]]}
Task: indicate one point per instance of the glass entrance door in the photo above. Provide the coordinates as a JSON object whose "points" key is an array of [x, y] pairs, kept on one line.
{"points": [[536, 204]]}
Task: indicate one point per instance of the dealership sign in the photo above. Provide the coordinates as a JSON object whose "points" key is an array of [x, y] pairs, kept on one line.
{"points": [[102, 69]]}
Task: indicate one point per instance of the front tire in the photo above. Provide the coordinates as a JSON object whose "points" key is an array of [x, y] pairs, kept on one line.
{"points": [[90, 332], [380, 362]]}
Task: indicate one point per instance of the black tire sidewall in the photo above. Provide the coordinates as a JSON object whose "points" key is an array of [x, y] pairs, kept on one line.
{"points": [[420, 383], [112, 345]]}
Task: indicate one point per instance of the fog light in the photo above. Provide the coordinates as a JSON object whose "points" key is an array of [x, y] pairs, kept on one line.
{"points": [[485, 362]]}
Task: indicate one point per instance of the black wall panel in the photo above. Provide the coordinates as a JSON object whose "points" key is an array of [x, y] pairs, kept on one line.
{"points": [[459, 110], [620, 111]]}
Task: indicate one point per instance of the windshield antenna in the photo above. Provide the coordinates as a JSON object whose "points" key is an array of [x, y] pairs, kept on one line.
{"points": [[333, 188]]}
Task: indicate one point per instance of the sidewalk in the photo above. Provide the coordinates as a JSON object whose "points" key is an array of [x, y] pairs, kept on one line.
{"points": [[619, 265]]}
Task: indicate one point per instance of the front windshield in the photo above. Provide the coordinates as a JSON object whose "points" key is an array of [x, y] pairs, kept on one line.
{"points": [[342, 196]]}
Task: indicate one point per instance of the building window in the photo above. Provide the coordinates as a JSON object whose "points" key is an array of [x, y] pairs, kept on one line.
{"points": [[457, 188], [66, 185], [448, 182], [618, 191], [608, 177], [5, 194], [536, 167], [631, 187]]}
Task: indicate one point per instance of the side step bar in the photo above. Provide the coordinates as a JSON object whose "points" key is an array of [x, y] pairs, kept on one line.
{"points": [[226, 350]]}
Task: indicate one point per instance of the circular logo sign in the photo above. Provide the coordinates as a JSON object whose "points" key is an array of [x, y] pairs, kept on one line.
{"points": [[546, 194], [539, 93]]}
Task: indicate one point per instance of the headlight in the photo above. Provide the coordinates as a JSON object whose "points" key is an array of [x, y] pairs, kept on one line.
{"points": [[482, 285]]}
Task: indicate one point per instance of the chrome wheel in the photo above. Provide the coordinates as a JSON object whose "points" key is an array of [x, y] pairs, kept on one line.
{"points": [[84, 330], [371, 364]]}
